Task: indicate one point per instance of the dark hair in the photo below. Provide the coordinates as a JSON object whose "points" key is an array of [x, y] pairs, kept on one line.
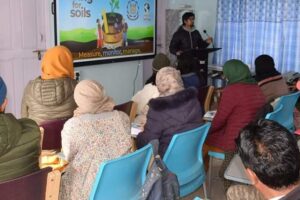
{"points": [[271, 152], [186, 16], [265, 67]]}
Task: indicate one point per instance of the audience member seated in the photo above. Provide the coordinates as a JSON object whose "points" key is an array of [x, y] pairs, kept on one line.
{"points": [[19, 143], [149, 91], [271, 156], [190, 74], [94, 134], [269, 79], [174, 111], [50, 96], [239, 103]]}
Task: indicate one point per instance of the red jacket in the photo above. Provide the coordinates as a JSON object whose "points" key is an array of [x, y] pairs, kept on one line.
{"points": [[238, 106]]}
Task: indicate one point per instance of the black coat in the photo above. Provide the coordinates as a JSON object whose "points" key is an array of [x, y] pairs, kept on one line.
{"points": [[170, 115], [184, 40]]}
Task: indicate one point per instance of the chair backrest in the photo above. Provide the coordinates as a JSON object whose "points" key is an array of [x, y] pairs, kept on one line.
{"points": [[184, 157], [277, 115], [122, 178], [208, 98], [202, 93], [287, 114], [52, 133], [31, 186], [130, 108], [205, 97]]}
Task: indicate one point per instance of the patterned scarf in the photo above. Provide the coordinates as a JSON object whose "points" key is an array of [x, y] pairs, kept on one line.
{"points": [[168, 81]]}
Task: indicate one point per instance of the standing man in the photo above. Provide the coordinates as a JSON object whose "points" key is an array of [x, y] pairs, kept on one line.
{"points": [[188, 38]]}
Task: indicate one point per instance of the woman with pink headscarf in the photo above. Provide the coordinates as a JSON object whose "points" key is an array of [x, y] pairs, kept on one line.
{"points": [[174, 111], [96, 133]]}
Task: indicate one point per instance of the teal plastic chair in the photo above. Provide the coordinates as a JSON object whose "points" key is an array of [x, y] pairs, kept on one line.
{"points": [[122, 178], [184, 158], [278, 116], [197, 198], [287, 114]]}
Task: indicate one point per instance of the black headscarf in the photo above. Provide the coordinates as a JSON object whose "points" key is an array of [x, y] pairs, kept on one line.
{"points": [[265, 68]]}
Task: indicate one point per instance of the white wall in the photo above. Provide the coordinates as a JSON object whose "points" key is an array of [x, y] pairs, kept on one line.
{"points": [[119, 79], [206, 16]]}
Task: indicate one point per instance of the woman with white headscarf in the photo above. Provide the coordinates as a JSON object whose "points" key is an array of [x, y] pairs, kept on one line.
{"points": [[96, 133], [174, 111]]}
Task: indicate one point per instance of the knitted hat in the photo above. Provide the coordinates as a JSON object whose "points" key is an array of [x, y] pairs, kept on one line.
{"points": [[3, 91], [160, 61], [265, 67]]}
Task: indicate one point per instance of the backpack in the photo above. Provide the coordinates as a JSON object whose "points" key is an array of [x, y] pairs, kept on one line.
{"points": [[161, 183]]}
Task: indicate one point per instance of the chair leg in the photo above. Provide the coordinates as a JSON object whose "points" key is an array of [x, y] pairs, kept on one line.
{"points": [[209, 175], [205, 192]]}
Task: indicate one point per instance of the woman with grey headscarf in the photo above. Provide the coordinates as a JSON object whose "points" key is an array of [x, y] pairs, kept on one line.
{"points": [[96, 133], [174, 111]]}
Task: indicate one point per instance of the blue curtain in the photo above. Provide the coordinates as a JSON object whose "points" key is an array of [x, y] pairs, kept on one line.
{"points": [[248, 28]]}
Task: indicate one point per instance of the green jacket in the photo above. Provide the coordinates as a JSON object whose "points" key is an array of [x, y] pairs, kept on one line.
{"points": [[19, 147]]}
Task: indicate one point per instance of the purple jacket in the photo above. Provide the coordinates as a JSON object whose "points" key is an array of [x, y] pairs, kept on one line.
{"points": [[170, 115]]}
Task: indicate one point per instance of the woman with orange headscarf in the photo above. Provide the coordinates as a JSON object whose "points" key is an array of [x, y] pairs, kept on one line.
{"points": [[50, 96]]}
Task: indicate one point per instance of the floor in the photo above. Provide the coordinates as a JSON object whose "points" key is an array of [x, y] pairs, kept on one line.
{"points": [[217, 192]]}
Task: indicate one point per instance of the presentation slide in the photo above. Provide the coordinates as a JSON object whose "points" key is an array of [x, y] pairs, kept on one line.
{"points": [[106, 30]]}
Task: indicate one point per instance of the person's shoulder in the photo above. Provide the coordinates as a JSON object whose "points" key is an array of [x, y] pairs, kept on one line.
{"points": [[174, 100], [28, 121], [29, 126], [196, 31], [123, 116], [233, 88], [33, 83], [150, 88], [180, 30]]}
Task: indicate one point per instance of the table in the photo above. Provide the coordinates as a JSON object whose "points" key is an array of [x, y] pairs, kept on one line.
{"points": [[236, 171]]}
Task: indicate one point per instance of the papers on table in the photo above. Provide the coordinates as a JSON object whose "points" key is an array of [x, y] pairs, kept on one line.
{"points": [[209, 115]]}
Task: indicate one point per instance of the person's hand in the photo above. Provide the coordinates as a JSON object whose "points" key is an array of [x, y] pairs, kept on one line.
{"points": [[178, 53], [209, 40]]}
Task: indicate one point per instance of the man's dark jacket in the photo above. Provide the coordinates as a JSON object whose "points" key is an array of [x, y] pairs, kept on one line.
{"points": [[170, 115], [184, 40]]}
